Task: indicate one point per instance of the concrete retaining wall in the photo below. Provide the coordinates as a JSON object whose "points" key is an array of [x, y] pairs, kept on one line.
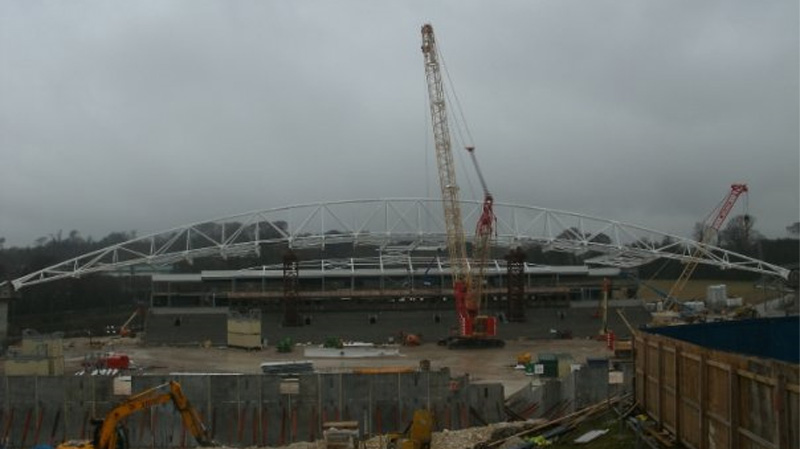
{"points": [[557, 397], [190, 326], [198, 325], [243, 410]]}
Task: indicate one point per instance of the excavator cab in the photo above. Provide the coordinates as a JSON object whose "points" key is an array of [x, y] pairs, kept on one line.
{"points": [[121, 442]]}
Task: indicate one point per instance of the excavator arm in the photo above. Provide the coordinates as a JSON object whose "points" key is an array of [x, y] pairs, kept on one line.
{"points": [[107, 435], [191, 419]]}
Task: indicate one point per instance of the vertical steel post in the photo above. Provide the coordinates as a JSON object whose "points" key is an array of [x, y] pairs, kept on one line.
{"points": [[515, 270], [291, 273]]}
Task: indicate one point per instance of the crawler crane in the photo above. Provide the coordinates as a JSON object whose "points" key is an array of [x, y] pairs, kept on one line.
{"points": [[476, 330]]}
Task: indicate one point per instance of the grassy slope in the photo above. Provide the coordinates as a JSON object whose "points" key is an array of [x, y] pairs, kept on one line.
{"points": [[696, 290]]}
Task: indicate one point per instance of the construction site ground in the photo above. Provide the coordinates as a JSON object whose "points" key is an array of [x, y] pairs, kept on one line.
{"points": [[696, 290], [482, 365]]}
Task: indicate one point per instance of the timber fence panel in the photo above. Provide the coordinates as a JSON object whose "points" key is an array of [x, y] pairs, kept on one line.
{"points": [[669, 411], [690, 379], [652, 379], [793, 416], [757, 410], [718, 401], [722, 399]]}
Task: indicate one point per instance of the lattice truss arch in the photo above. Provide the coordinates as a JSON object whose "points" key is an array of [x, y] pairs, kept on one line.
{"points": [[397, 223]]}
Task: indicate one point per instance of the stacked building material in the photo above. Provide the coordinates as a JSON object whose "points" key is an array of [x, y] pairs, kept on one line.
{"points": [[244, 330]]}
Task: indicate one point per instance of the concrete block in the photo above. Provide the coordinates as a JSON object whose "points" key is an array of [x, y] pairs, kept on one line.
{"points": [[50, 390], [330, 386], [20, 389], [271, 411], [307, 403], [355, 396], [413, 391], [485, 403], [74, 387], [77, 420], [224, 388], [187, 326]]}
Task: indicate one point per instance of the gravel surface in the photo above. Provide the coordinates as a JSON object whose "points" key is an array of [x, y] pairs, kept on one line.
{"points": [[447, 439]]}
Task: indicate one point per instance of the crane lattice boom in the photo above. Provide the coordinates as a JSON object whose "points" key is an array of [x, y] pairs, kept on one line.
{"points": [[710, 231], [456, 243], [467, 293]]}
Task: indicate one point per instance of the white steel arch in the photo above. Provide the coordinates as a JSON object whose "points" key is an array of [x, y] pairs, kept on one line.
{"points": [[397, 225]]}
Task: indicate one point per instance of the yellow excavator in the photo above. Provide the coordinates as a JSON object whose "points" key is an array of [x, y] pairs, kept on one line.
{"points": [[109, 433], [418, 434]]}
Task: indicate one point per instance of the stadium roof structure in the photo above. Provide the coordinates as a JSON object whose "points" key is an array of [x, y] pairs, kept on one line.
{"points": [[397, 226]]}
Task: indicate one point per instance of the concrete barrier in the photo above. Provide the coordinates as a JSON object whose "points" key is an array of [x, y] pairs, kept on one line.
{"points": [[243, 410]]}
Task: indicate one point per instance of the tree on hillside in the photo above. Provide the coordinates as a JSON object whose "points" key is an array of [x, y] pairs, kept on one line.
{"points": [[794, 229], [780, 251], [739, 235], [75, 237], [697, 231]]}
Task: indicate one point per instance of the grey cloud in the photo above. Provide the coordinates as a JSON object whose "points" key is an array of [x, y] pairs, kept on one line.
{"points": [[147, 115]]}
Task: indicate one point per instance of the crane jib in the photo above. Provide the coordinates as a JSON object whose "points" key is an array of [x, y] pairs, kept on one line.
{"points": [[467, 289]]}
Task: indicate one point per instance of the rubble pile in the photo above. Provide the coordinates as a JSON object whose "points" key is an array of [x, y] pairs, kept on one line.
{"points": [[460, 439]]}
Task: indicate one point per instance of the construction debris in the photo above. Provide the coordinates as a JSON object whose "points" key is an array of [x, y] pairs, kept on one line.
{"points": [[567, 422], [590, 436]]}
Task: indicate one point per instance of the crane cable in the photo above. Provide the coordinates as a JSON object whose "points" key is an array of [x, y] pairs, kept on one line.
{"points": [[705, 222], [460, 126], [457, 105]]}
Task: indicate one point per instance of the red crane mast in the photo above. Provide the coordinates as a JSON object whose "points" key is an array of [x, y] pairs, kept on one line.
{"points": [[710, 230]]}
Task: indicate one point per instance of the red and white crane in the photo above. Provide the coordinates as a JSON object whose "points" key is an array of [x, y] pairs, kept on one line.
{"points": [[710, 230], [475, 328]]}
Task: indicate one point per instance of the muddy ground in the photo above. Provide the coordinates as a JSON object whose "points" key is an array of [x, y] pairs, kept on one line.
{"points": [[482, 365]]}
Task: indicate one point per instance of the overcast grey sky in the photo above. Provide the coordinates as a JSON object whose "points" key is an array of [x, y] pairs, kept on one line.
{"points": [[151, 114]]}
